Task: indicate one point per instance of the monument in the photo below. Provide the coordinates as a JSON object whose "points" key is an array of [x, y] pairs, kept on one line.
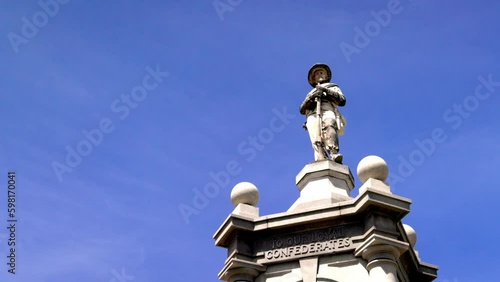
{"points": [[326, 234], [324, 121]]}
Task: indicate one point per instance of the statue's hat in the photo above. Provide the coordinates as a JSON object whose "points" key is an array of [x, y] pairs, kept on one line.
{"points": [[310, 76]]}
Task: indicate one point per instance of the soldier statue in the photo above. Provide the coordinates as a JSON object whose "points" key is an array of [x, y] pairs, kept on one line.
{"points": [[324, 121]]}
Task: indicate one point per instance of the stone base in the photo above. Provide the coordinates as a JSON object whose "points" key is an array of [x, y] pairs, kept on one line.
{"points": [[246, 211], [375, 184], [323, 183]]}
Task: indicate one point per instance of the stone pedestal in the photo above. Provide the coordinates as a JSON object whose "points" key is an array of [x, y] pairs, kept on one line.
{"points": [[322, 183], [325, 235]]}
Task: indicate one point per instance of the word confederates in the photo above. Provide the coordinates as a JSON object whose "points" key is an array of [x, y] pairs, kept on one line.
{"points": [[330, 239], [317, 247]]}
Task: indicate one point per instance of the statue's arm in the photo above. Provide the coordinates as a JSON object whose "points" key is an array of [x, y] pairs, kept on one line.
{"points": [[337, 96], [307, 102], [304, 106]]}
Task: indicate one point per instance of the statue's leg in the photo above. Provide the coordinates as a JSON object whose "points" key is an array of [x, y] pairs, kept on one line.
{"points": [[314, 135], [332, 139]]}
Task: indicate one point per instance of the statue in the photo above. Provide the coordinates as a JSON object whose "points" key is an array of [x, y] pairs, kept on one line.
{"points": [[324, 121]]}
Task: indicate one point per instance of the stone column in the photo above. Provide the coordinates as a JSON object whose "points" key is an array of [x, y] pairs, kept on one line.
{"points": [[381, 253], [240, 265], [382, 266]]}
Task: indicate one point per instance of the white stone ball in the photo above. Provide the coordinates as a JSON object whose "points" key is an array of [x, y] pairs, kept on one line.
{"points": [[245, 193], [412, 235], [372, 167]]}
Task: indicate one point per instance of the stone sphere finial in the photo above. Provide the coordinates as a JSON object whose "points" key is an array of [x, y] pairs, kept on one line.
{"points": [[412, 235], [245, 193], [372, 167]]}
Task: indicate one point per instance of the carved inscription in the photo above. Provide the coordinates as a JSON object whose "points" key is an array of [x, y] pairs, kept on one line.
{"points": [[320, 241], [306, 238], [312, 248]]}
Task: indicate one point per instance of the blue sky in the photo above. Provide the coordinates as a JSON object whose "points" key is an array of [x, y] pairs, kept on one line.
{"points": [[214, 80]]}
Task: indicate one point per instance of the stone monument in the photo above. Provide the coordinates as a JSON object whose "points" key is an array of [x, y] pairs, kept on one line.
{"points": [[324, 121], [326, 235]]}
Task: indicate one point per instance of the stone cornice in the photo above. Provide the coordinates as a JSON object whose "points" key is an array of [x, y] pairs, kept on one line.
{"points": [[394, 206]]}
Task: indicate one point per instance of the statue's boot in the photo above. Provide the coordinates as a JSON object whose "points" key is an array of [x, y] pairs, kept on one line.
{"points": [[334, 154], [337, 158]]}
